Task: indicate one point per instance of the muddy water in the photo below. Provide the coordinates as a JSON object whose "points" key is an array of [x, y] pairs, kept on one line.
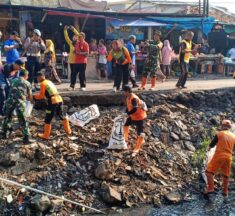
{"points": [[199, 207], [195, 206]]}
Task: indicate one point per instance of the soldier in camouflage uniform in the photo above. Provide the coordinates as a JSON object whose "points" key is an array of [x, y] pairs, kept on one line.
{"points": [[20, 90], [152, 62]]}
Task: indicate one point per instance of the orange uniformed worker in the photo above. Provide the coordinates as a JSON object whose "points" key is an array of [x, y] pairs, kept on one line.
{"points": [[54, 105], [136, 110], [222, 159]]}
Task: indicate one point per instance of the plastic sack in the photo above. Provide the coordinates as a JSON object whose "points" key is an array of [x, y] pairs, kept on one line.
{"points": [[209, 156], [84, 116], [132, 74], [28, 109], [117, 140]]}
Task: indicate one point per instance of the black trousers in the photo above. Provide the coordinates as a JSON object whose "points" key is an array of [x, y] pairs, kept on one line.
{"points": [[184, 67], [122, 75], [166, 70], [33, 66], [54, 110], [3, 96], [139, 125], [81, 70]]}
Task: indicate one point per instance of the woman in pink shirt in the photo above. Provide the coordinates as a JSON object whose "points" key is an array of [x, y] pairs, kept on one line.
{"points": [[102, 60], [166, 58]]}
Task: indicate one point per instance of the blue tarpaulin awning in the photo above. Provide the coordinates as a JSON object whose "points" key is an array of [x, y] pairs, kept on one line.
{"points": [[144, 23], [205, 24]]}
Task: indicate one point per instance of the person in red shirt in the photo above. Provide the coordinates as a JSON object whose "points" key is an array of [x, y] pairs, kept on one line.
{"points": [[81, 53]]}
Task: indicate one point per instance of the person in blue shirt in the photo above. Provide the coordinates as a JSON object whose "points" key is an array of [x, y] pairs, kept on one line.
{"points": [[132, 51], [10, 46]]}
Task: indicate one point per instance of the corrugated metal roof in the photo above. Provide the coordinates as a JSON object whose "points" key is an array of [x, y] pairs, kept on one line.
{"points": [[36, 3]]}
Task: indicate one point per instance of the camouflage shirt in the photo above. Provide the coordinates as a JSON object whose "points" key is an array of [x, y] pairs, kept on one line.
{"points": [[20, 89]]}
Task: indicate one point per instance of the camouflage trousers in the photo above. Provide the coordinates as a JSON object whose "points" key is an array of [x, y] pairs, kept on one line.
{"points": [[152, 67], [9, 108]]}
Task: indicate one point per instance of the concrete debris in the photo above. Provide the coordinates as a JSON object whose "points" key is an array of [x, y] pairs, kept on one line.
{"points": [[83, 170]]}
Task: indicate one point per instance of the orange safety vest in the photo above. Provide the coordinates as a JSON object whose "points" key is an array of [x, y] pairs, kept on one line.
{"points": [[140, 114], [49, 90], [225, 145]]}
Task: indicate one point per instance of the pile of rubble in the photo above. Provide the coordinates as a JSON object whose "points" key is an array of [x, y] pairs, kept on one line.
{"points": [[83, 170]]}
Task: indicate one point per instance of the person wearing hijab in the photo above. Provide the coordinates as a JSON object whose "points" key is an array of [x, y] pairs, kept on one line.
{"points": [[50, 61], [122, 58], [166, 58]]}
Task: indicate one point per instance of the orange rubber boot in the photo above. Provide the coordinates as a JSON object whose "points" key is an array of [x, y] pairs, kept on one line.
{"points": [[143, 83], [153, 83], [126, 132], [140, 142], [210, 183], [67, 126], [225, 182], [47, 132]]}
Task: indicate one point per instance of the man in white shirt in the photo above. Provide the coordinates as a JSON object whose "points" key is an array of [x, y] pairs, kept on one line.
{"points": [[231, 54]]}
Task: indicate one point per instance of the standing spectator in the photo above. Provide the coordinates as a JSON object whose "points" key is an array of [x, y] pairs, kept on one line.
{"points": [[4, 85], [109, 64], [33, 48], [71, 44], [102, 60], [122, 59], [231, 53], [0, 50], [152, 62], [186, 48], [132, 52], [93, 46], [82, 51], [10, 46], [166, 58], [50, 62]]}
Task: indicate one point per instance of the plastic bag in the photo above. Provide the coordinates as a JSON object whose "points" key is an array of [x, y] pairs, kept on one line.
{"points": [[117, 140], [85, 116], [132, 74], [28, 109], [209, 156]]}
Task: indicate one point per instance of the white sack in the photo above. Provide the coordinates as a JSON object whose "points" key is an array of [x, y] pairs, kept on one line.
{"points": [[84, 116], [209, 156], [117, 140]]}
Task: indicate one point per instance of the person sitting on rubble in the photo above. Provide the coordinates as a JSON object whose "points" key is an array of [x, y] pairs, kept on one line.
{"points": [[20, 91], [54, 105], [222, 159], [136, 110]]}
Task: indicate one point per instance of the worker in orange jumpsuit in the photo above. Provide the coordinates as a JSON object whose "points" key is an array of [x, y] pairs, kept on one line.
{"points": [[54, 105], [136, 110], [222, 159]]}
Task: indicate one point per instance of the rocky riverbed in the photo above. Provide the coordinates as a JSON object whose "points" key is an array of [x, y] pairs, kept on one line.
{"points": [[166, 171]]}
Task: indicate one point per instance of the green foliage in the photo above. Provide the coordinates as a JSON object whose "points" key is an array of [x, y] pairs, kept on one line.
{"points": [[199, 156]]}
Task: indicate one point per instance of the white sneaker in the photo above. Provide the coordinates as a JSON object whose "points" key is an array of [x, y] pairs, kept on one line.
{"points": [[152, 88], [83, 89], [71, 89], [115, 89]]}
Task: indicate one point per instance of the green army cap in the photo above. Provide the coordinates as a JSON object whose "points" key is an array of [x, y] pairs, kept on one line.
{"points": [[157, 33], [23, 73]]}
